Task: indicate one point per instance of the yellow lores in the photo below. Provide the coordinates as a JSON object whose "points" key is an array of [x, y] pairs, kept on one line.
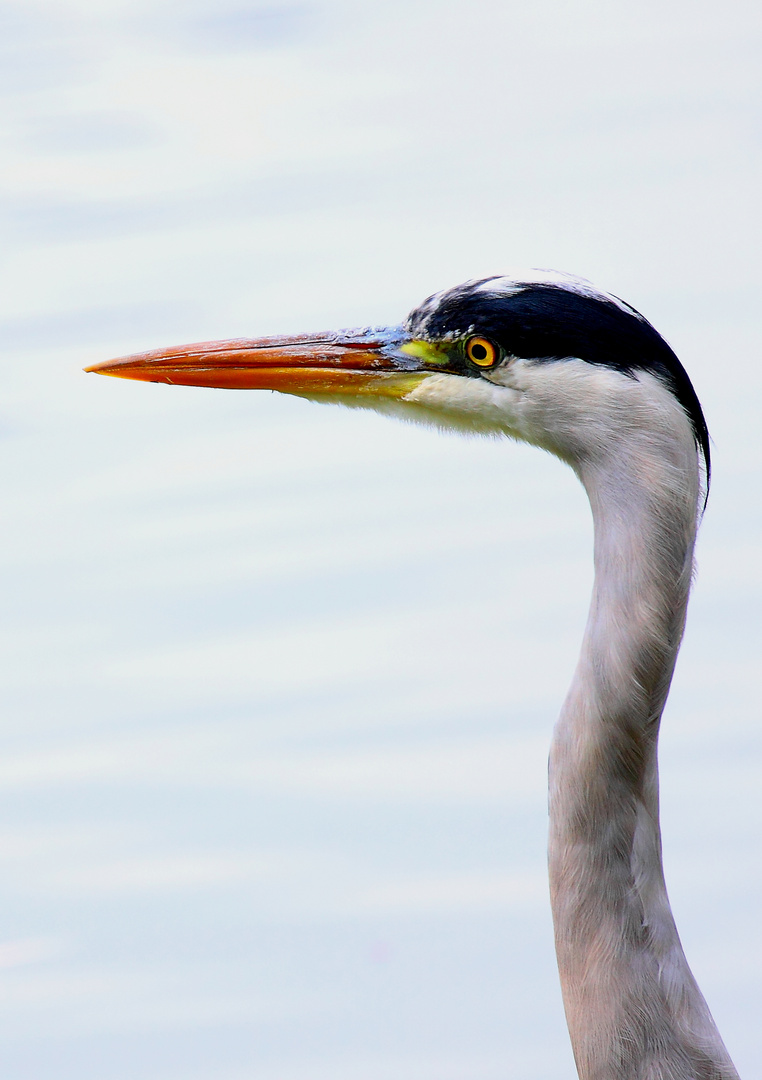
{"points": [[480, 351], [428, 352]]}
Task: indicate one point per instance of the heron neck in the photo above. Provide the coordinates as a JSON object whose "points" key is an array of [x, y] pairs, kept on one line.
{"points": [[633, 1007]]}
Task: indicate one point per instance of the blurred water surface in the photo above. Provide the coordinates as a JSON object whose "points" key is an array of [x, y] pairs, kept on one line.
{"points": [[278, 681]]}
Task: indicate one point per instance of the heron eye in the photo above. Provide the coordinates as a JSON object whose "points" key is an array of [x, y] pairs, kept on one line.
{"points": [[482, 352]]}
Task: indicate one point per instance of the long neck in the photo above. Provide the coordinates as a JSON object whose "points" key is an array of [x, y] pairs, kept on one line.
{"points": [[633, 1007]]}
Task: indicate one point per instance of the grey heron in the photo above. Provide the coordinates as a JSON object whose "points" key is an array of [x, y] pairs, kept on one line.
{"points": [[548, 359]]}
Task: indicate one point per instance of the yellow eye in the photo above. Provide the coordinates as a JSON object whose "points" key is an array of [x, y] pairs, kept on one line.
{"points": [[482, 352]]}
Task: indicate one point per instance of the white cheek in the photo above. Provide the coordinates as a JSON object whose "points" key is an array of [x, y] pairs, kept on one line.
{"points": [[482, 405], [587, 413]]}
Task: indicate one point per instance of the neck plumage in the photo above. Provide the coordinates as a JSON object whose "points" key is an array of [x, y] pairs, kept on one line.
{"points": [[633, 1007]]}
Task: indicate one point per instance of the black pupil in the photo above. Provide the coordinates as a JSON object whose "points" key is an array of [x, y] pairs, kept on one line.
{"points": [[478, 352]]}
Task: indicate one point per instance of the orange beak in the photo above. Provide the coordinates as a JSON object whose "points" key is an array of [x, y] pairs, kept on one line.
{"points": [[338, 363]]}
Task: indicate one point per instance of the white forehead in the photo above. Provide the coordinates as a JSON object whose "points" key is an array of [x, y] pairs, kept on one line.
{"points": [[519, 279]]}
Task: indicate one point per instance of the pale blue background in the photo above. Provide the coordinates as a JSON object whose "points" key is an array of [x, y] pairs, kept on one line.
{"points": [[278, 681]]}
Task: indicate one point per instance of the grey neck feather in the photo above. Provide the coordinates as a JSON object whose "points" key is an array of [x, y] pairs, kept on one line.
{"points": [[633, 1007]]}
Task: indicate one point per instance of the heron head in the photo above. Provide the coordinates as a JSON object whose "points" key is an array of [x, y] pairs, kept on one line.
{"points": [[544, 357]]}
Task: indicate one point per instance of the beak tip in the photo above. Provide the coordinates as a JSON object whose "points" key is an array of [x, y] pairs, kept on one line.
{"points": [[106, 368]]}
